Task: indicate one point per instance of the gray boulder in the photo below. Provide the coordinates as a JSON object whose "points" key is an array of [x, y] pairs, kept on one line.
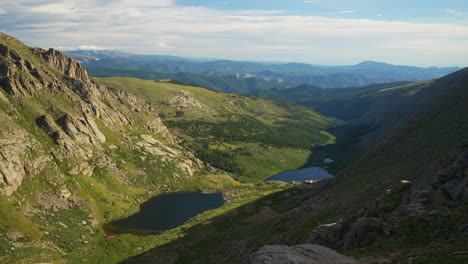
{"points": [[300, 254], [328, 235], [362, 232]]}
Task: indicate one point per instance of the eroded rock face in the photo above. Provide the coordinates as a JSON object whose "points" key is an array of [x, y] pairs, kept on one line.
{"points": [[72, 109], [68, 146], [362, 232], [10, 79], [82, 130], [300, 254], [59, 61], [16, 162], [328, 235]]}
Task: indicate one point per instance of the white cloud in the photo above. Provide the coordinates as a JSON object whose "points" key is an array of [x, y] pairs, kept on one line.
{"points": [[82, 47], [165, 45], [163, 27], [61, 8], [347, 11], [379, 15], [2, 11], [452, 12], [89, 47]]}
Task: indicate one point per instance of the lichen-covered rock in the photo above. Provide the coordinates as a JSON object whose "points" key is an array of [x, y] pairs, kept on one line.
{"points": [[300, 254]]}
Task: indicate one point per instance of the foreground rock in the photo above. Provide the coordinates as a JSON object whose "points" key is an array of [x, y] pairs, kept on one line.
{"points": [[300, 254]]}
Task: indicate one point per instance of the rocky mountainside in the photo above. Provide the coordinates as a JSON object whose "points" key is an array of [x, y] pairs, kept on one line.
{"points": [[48, 94]]}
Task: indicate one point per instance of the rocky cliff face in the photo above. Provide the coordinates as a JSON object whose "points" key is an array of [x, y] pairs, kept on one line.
{"points": [[54, 96]]}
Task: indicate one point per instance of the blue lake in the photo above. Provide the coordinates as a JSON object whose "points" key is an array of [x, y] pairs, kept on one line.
{"points": [[311, 173], [168, 211]]}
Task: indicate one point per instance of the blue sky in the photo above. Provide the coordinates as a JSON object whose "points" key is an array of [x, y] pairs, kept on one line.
{"points": [[398, 10], [329, 32]]}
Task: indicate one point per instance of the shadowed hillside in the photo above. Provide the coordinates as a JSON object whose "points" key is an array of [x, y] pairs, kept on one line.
{"points": [[405, 198]]}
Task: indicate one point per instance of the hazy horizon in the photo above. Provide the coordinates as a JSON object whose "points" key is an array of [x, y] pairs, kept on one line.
{"points": [[251, 61]]}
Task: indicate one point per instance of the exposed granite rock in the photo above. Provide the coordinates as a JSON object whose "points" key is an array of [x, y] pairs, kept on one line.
{"points": [[185, 99], [68, 146], [328, 235], [82, 130], [83, 168], [16, 161], [300, 254], [186, 166], [10, 79], [12, 169], [362, 232], [59, 61]]}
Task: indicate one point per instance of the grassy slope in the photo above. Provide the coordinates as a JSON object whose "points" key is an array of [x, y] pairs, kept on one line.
{"points": [[259, 137], [403, 155], [226, 83]]}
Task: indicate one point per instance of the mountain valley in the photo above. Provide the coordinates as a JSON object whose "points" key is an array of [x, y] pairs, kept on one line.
{"points": [[78, 153]]}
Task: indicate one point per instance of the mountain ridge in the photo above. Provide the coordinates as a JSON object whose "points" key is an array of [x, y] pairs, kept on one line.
{"points": [[283, 74]]}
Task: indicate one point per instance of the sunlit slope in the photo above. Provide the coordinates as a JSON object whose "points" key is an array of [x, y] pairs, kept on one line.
{"points": [[249, 136]]}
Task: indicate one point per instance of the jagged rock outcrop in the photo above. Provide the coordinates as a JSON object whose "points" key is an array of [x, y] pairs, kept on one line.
{"points": [[16, 160], [300, 254], [361, 232], [328, 235], [60, 98], [68, 146], [81, 130], [61, 62]]}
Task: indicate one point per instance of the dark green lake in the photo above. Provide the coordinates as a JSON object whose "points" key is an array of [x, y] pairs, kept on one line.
{"points": [[168, 211]]}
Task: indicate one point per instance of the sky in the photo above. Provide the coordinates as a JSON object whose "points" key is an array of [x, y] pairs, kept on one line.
{"points": [[327, 32]]}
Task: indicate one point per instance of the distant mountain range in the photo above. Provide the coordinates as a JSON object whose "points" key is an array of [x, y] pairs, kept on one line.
{"points": [[277, 74]]}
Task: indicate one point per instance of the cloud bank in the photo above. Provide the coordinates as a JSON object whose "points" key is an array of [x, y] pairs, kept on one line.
{"points": [[163, 27]]}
